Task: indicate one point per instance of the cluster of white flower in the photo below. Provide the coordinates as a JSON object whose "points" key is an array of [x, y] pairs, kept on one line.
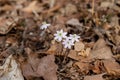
{"points": [[68, 41]]}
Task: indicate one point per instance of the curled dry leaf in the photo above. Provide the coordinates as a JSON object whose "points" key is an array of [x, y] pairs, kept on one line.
{"points": [[10, 70], [6, 25], [101, 50]]}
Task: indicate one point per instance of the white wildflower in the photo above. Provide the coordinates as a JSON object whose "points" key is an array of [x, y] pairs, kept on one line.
{"points": [[68, 43], [74, 37], [45, 25], [60, 35]]}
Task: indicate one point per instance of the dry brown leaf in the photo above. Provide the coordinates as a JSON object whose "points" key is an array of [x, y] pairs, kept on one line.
{"points": [[94, 77], [52, 3], [117, 8], [6, 25], [84, 67], [117, 57], [32, 7], [73, 54], [53, 48], [74, 22], [27, 70], [6, 8], [117, 39], [84, 53], [117, 29], [79, 46], [98, 67], [70, 9], [114, 21], [118, 2], [101, 50], [106, 26], [11, 41], [87, 51], [10, 70], [35, 67], [47, 68], [112, 67], [2, 41]]}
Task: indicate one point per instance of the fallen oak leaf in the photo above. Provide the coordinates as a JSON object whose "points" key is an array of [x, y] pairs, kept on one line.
{"points": [[101, 50], [35, 67], [47, 68]]}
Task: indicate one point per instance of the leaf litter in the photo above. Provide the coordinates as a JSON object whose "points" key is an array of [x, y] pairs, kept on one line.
{"points": [[29, 53]]}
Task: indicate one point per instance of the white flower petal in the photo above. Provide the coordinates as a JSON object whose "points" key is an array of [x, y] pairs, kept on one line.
{"points": [[61, 31], [56, 37], [59, 39], [44, 25], [48, 24]]}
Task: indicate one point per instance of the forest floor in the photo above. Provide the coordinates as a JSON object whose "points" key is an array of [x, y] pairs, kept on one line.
{"points": [[59, 39]]}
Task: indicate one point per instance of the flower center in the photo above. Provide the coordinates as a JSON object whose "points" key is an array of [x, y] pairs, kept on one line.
{"points": [[74, 36], [60, 34], [44, 23], [68, 42]]}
